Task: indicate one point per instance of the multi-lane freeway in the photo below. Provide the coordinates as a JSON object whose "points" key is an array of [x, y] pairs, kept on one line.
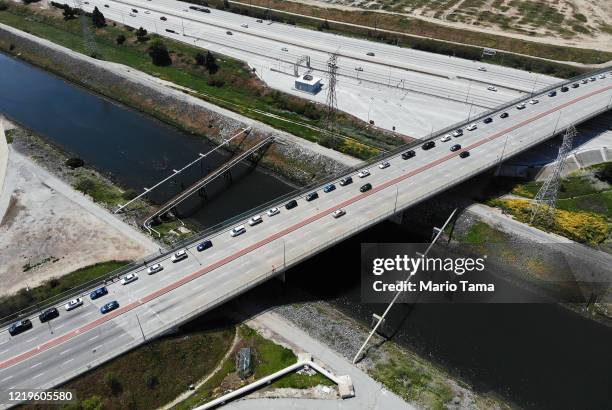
{"points": [[50, 353]]}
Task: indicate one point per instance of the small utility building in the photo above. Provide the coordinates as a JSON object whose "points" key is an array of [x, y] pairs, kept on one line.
{"points": [[308, 83]]}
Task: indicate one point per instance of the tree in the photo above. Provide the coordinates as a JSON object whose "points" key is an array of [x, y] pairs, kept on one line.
{"points": [[211, 62], [120, 39], [226, 4], [112, 383], [605, 173], [141, 34], [95, 402], [200, 59], [97, 18], [74, 162], [3, 5], [159, 54], [69, 13]]}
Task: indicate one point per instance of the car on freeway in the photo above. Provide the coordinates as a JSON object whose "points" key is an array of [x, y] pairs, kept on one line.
{"points": [[520, 106], [98, 293], [575, 85], [472, 126], [346, 181], [170, 31], [488, 120], [601, 77], [273, 211], [179, 256], [205, 10], [491, 88], [534, 101], [134, 11], [132, 14], [162, 18], [457, 133], [358, 68], [239, 230], [205, 244], [110, 306], [48, 314], [259, 20], [291, 204], [445, 138], [107, 6], [255, 220], [285, 49], [147, 12], [155, 268], [384, 164], [229, 33], [552, 93], [564, 89], [132, 277], [428, 145], [193, 7], [504, 115], [365, 187], [482, 68], [408, 154], [312, 196], [464, 154], [20, 327], [244, 25], [585, 81], [592, 79], [73, 304], [328, 188], [455, 147], [371, 54], [363, 173], [338, 213]]}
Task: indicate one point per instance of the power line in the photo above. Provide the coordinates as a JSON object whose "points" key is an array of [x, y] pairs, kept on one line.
{"points": [[332, 103]]}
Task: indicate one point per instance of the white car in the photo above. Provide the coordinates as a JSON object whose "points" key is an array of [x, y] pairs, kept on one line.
{"points": [[132, 15], [273, 211], [482, 68], [384, 165], [73, 304], [534, 101], [520, 106], [445, 138], [338, 213], [244, 25], [155, 268], [179, 256], [129, 278], [363, 173], [239, 230], [255, 220], [147, 12], [491, 88], [472, 127], [602, 76], [358, 68]]}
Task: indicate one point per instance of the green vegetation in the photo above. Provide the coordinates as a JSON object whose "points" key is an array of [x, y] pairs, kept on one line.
{"points": [[480, 233], [223, 81], [54, 286], [156, 373], [9, 136], [102, 192]]}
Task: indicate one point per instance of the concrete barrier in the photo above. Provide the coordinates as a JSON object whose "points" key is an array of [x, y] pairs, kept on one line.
{"points": [[3, 160]]}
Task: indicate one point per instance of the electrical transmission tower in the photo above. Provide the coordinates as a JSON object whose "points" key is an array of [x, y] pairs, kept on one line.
{"points": [[90, 42], [545, 202], [332, 104]]}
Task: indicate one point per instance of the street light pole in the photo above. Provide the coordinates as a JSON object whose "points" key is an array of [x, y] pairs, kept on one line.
{"points": [[144, 339]]}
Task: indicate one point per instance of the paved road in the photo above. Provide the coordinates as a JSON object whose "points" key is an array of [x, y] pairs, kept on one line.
{"points": [[156, 303]]}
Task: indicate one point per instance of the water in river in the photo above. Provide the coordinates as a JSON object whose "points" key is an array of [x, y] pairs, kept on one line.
{"points": [[539, 356]]}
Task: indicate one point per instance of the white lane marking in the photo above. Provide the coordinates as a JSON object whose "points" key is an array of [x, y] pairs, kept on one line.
{"points": [[38, 375], [94, 338], [67, 361], [29, 340], [4, 351], [35, 365], [64, 352], [97, 347], [6, 378], [60, 326]]}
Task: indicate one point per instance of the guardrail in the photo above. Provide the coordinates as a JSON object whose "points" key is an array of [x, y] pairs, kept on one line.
{"points": [[296, 194]]}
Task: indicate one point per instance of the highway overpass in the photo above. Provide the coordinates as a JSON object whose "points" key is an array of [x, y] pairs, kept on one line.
{"points": [[50, 353]]}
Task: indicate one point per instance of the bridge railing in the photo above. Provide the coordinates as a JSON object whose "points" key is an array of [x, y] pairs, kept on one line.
{"points": [[279, 201]]}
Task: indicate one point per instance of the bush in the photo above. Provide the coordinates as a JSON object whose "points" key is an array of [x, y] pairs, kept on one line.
{"points": [[200, 59], [74, 162], [128, 194], [86, 185], [605, 173], [159, 54], [141, 35], [97, 18], [3, 5], [112, 383], [120, 39]]}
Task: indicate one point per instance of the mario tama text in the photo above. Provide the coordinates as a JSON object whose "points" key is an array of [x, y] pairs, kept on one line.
{"points": [[440, 276]]}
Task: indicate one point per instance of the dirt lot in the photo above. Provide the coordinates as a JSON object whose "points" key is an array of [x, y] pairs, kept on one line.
{"points": [[49, 229], [578, 23]]}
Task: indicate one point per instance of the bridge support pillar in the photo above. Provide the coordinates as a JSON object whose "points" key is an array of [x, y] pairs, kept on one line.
{"points": [[281, 276], [397, 218]]}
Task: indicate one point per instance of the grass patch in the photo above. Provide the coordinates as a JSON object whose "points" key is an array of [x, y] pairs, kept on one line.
{"points": [[100, 191], [9, 135], [480, 233], [156, 373], [54, 286], [572, 186]]}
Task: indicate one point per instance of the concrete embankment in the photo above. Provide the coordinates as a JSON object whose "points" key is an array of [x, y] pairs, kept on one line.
{"points": [[294, 158], [3, 164]]}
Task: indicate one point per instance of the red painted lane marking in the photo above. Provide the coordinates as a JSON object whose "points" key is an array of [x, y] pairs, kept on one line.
{"points": [[106, 318]]}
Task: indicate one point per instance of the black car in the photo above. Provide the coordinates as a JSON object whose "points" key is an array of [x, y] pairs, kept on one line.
{"points": [[193, 7], [110, 306], [552, 93], [205, 10], [98, 293], [428, 145], [162, 18], [107, 6], [564, 89], [408, 154], [20, 326], [205, 245], [575, 85], [464, 154], [365, 187], [488, 120], [346, 181], [312, 196], [48, 314], [504, 115], [291, 204], [455, 147]]}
